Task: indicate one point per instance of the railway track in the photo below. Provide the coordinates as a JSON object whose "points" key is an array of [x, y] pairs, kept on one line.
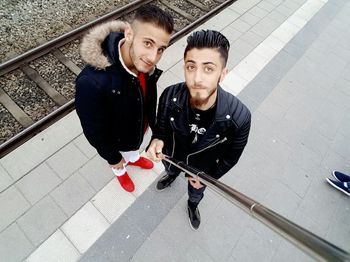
{"points": [[37, 87]]}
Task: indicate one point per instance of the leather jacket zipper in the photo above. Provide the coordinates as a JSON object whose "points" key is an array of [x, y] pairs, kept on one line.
{"points": [[172, 153], [203, 149]]}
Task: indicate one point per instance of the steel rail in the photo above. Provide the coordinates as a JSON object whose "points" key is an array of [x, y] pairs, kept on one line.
{"points": [[305, 240], [26, 134], [199, 21], [43, 49], [23, 136]]}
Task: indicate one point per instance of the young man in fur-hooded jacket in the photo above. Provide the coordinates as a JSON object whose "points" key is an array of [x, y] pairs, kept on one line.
{"points": [[116, 93]]}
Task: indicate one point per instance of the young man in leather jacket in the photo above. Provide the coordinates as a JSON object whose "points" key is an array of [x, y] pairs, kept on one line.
{"points": [[116, 93], [198, 122]]}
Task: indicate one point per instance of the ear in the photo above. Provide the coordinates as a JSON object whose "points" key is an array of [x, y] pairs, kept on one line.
{"points": [[128, 33], [223, 74]]}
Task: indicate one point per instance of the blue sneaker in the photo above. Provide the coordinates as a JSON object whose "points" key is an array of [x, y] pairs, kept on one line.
{"points": [[340, 176], [342, 186]]}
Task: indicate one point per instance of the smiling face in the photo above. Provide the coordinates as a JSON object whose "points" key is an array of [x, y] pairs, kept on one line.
{"points": [[204, 69], [146, 44]]}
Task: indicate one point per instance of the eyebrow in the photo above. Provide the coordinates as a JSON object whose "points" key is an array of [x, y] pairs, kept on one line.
{"points": [[153, 42], [205, 63]]}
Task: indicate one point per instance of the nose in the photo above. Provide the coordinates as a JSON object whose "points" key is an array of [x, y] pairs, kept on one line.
{"points": [[153, 56], [198, 77]]}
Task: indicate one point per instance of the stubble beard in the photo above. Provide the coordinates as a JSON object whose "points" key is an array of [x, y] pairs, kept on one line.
{"points": [[132, 56], [197, 102], [139, 68]]}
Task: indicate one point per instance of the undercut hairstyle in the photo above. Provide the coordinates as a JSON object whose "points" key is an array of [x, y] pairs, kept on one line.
{"points": [[154, 15], [209, 39]]}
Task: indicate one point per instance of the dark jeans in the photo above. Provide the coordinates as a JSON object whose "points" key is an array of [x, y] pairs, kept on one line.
{"points": [[194, 195]]}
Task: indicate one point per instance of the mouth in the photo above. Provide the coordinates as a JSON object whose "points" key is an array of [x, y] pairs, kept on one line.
{"points": [[147, 63], [198, 88]]}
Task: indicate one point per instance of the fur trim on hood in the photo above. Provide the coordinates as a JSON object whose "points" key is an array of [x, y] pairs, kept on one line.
{"points": [[91, 49]]}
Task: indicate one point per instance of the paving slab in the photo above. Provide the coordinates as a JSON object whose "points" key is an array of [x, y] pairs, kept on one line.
{"points": [[250, 240], [66, 161], [84, 146], [38, 149], [44, 176], [12, 206], [97, 173], [85, 227], [155, 248], [10, 240], [41, 220], [72, 194], [118, 201], [56, 248], [5, 179]]}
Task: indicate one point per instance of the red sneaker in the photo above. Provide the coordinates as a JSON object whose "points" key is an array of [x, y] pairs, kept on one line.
{"points": [[126, 182], [143, 163]]}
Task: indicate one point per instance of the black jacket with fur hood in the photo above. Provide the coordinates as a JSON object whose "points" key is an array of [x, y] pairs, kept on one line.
{"points": [[109, 99]]}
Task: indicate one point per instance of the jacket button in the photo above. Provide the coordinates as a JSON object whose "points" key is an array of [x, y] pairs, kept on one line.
{"points": [[138, 99], [174, 99], [171, 119], [118, 92], [228, 116], [113, 91], [217, 135]]}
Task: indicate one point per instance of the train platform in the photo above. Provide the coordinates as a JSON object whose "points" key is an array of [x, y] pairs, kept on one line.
{"points": [[290, 64]]}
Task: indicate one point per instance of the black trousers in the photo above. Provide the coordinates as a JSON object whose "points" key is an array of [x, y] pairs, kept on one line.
{"points": [[194, 195]]}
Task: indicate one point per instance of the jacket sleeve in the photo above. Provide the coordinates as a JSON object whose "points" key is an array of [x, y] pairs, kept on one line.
{"points": [[89, 107], [235, 151], [160, 127]]}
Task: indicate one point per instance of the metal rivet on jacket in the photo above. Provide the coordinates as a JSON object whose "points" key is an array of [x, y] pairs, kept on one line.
{"points": [[171, 119], [174, 99], [228, 116]]}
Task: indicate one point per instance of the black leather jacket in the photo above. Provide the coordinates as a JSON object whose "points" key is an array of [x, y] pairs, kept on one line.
{"points": [[220, 147]]}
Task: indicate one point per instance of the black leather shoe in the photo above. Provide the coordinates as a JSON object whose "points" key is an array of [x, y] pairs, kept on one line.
{"points": [[194, 217], [165, 182]]}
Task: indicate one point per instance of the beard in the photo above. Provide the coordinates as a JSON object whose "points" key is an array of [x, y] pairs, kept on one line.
{"points": [[132, 55], [196, 101]]}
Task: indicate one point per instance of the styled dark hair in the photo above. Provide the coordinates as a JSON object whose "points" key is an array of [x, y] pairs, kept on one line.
{"points": [[153, 14], [209, 39]]}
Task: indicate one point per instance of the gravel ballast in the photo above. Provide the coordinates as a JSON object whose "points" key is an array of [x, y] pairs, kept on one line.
{"points": [[24, 24]]}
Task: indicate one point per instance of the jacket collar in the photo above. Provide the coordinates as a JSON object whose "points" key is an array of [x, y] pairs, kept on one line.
{"points": [[100, 48], [114, 55], [222, 122], [181, 101], [121, 41]]}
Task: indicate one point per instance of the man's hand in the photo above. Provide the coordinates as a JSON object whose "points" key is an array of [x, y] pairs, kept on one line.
{"points": [[154, 151], [120, 165], [195, 182]]}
